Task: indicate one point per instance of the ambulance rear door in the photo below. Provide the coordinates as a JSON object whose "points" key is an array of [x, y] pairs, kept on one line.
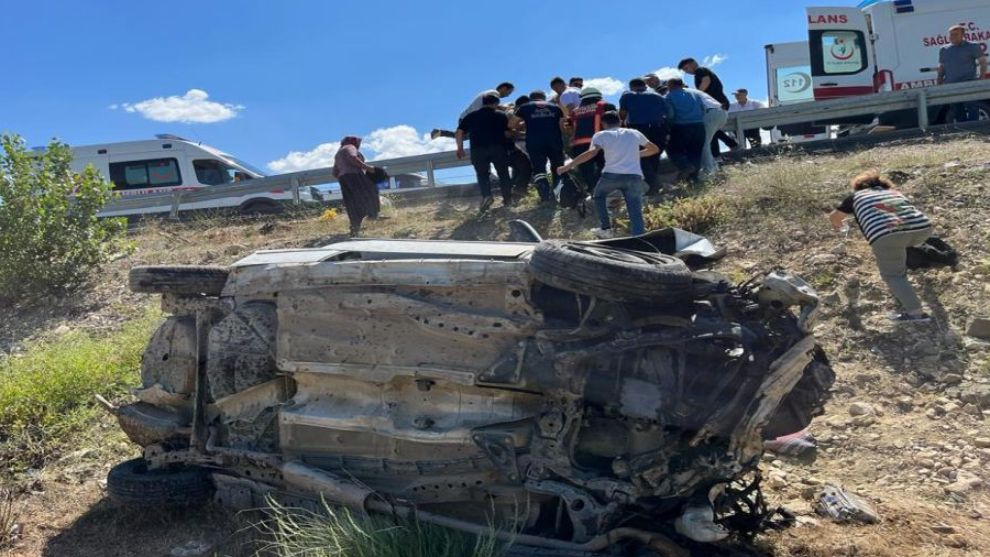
{"points": [[841, 53]]}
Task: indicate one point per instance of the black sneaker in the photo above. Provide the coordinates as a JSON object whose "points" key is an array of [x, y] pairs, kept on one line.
{"points": [[898, 318], [486, 203]]}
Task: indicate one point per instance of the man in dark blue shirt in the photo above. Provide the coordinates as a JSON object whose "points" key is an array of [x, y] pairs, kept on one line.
{"points": [[687, 132], [488, 129], [644, 110], [544, 143]]}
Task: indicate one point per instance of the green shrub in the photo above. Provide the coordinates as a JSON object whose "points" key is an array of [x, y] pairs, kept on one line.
{"points": [[47, 391], [51, 239], [694, 214]]}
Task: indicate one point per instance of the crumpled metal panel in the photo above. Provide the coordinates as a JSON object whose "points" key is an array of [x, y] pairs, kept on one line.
{"points": [[466, 329], [261, 280], [398, 420]]}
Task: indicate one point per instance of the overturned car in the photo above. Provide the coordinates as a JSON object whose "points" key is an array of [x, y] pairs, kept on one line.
{"points": [[577, 394]]}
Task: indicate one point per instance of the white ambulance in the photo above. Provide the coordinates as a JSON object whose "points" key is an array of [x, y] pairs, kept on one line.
{"points": [[170, 163], [789, 82], [885, 45]]}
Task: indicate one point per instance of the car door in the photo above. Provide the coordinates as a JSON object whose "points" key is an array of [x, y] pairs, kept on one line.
{"points": [[841, 53]]}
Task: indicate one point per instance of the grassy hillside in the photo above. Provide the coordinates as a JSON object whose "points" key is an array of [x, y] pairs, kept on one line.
{"points": [[921, 453]]}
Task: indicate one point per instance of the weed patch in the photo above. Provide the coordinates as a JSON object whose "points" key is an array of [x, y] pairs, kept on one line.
{"points": [[694, 214], [47, 391], [336, 532]]}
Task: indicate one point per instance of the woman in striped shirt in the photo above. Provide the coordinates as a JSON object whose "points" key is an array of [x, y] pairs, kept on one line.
{"points": [[891, 224]]}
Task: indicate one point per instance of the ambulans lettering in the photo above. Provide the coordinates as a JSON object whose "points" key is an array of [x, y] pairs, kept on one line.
{"points": [[827, 18], [917, 84]]}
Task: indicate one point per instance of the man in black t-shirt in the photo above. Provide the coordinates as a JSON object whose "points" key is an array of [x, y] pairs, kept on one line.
{"points": [[544, 143], [488, 129], [706, 80]]}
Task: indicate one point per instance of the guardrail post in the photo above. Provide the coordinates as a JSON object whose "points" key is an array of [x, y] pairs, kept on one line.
{"points": [[430, 179], [740, 131], [176, 201], [923, 110], [295, 191]]}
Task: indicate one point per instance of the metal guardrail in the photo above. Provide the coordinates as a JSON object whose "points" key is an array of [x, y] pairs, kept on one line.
{"points": [[866, 105], [818, 111]]}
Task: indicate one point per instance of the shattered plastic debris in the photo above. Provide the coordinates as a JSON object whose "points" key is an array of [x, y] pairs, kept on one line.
{"points": [[843, 507]]}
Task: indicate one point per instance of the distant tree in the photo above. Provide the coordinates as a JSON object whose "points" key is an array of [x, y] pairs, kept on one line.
{"points": [[50, 238]]}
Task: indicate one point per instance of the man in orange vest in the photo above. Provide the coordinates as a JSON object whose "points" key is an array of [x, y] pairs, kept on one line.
{"points": [[586, 121]]}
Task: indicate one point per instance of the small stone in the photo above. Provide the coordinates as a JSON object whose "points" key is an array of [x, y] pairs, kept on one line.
{"points": [[934, 413], [942, 528], [905, 404], [965, 483], [979, 328], [951, 379], [982, 442], [860, 409], [864, 421], [192, 548], [825, 258], [777, 480], [947, 473]]}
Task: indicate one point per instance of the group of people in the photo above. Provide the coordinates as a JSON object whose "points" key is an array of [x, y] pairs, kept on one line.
{"points": [[613, 148]]}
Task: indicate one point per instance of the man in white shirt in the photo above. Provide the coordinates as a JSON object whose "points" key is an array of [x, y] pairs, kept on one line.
{"points": [[623, 148], [503, 90], [567, 97], [742, 104]]}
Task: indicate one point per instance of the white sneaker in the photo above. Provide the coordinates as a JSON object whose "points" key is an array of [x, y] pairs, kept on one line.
{"points": [[603, 233]]}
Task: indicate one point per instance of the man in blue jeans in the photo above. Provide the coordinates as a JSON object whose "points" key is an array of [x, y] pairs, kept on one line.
{"points": [[623, 147]]}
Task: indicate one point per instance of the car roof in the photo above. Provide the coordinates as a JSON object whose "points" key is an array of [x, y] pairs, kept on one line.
{"points": [[376, 250]]}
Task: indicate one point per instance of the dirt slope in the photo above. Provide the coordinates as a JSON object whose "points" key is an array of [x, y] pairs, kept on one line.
{"points": [[907, 427]]}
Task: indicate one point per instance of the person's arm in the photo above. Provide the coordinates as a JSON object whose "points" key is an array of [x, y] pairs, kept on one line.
{"points": [[983, 67], [648, 150], [351, 154], [704, 83], [837, 217], [940, 79], [516, 123], [459, 137], [579, 160]]}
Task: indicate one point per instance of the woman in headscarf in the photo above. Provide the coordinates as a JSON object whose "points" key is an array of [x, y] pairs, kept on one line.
{"points": [[359, 190]]}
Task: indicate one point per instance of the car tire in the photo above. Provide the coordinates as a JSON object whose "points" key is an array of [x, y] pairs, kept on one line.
{"points": [[805, 401], [131, 483], [609, 273], [178, 279], [261, 208]]}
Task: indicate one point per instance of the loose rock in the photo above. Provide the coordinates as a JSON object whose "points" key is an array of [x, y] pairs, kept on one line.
{"points": [[979, 328], [860, 409]]}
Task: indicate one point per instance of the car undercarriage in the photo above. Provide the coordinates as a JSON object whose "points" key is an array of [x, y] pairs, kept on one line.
{"points": [[579, 395]]}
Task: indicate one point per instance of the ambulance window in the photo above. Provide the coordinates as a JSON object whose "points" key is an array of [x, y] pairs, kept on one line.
{"points": [[212, 172], [838, 52], [154, 173]]}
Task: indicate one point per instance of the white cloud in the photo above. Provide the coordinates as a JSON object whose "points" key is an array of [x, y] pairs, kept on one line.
{"points": [[404, 141], [383, 143], [319, 157], [668, 72], [713, 60], [192, 108], [609, 86]]}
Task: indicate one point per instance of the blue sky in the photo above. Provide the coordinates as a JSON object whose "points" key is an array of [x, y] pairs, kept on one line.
{"points": [[265, 79]]}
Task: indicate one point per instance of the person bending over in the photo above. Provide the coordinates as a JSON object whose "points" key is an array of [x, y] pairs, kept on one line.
{"points": [[891, 224]]}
